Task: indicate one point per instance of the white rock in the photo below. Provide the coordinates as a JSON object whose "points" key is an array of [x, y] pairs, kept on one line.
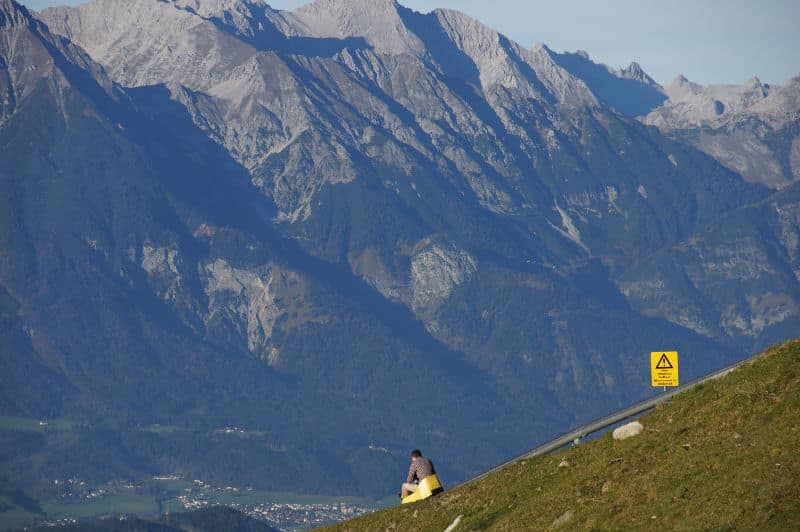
{"points": [[565, 518], [453, 525], [251, 301], [626, 431]]}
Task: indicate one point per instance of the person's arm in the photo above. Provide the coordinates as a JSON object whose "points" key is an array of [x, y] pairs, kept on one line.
{"points": [[411, 473]]}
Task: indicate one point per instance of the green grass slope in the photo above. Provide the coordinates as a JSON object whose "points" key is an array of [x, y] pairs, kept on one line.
{"points": [[724, 455]]}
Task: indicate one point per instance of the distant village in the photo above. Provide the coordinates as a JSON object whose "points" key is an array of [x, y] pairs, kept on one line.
{"points": [[200, 494], [286, 516]]}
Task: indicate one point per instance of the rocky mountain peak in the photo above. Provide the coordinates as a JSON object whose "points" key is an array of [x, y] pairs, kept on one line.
{"points": [[13, 14], [246, 18], [218, 5], [755, 89], [680, 80], [362, 14], [737, 122], [353, 6], [681, 87], [634, 69], [188, 41], [635, 72], [227, 10], [779, 106], [207, 8], [378, 22], [471, 36]]}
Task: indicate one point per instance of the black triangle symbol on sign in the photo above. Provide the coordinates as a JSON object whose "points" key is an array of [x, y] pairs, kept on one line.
{"points": [[664, 363]]}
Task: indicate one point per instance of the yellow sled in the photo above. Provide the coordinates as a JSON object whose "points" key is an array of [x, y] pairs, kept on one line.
{"points": [[427, 487]]}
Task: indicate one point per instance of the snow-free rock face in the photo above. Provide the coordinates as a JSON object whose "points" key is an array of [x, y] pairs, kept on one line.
{"points": [[691, 105], [150, 42], [245, 301], [378, 22], [342, 90], [751, 128], [161, 264], [436, 270], [246, 69], [781, 106], [30, 55], [13, 14]]}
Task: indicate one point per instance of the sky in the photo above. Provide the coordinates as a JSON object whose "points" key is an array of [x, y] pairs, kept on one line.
{"points": [[708, 41]]}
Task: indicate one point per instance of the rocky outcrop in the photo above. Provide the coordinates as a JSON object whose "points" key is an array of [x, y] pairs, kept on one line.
{"points": [[436, 270], [161, 264], [251, 303]]}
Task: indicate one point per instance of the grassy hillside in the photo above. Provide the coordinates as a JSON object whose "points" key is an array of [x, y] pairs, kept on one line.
{"points": [[723, 455]]}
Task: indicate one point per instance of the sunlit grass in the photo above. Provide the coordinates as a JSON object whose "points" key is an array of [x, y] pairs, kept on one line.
{"points": [[724, 455]]}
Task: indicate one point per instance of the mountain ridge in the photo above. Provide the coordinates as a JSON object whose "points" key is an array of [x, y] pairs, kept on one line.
{"points": [[751, 128], [291, 234]]}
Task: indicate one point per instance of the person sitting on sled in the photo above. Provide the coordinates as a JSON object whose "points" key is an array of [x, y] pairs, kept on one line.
{"points": [[420, 468]]}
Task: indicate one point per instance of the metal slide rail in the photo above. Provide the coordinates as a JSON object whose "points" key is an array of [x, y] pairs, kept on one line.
{"points": [[607, 421]]}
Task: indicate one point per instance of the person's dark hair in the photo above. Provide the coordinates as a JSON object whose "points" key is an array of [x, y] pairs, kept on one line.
{"points": [[416, 453]]}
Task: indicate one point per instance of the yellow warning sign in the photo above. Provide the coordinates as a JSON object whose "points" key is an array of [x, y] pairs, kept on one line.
{"points": [[664, 366]]}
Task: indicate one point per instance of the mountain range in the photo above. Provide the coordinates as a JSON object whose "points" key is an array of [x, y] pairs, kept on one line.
{"points": [[353, 229]]}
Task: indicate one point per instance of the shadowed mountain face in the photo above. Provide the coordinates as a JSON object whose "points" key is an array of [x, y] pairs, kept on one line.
{"points": [[630, 90], [346, 230]]}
